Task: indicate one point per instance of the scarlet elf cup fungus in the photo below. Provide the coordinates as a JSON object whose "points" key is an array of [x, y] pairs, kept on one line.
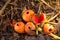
{"points": [[38, 18], [35, 19], [27, 14], [13, 23], [19, 27], [48, 28], [29, 28], [42, 17]]}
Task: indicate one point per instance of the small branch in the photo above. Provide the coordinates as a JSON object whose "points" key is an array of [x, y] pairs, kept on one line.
{"points": [[54, 36], [2, 10]]}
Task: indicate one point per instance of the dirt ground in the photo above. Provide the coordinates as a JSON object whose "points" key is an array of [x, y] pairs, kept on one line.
{"points": [[14, 10]]}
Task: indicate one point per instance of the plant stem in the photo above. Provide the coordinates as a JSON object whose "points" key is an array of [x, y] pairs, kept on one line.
{"points": [[36, 29], [54, 36], [39, 29], [2, 10]]}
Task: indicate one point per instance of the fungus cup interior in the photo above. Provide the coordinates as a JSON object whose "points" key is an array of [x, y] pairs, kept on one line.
{"points": [[19, 27], [27, 14], [48, 28], [30, 28]]}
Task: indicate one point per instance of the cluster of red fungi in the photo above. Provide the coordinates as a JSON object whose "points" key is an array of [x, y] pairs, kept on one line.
{"points": [[31, 19]]}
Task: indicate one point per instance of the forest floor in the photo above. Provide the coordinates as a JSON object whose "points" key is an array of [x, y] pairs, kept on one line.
{"points": [[14, 10]]}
